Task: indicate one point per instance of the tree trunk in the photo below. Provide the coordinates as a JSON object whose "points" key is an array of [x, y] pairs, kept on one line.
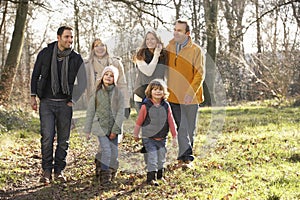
{"points": [[177, 8], [2, 33], [234, 11], [211, 18], [14, 53], [196, 21], [76, 22], [3, 15], [258, 34]]}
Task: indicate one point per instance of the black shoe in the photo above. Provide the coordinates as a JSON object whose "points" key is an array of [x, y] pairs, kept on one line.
{"points": [[113, 173], [105, 178], [151, 178], [143, 150], [46, 177], [98, 168]]}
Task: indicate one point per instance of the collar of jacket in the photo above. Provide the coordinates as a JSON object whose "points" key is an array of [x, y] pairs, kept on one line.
{"points": [[172, 44]]}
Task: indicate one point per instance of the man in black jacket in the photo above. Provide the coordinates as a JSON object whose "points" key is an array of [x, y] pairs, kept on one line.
{"points": [[58, 79]]}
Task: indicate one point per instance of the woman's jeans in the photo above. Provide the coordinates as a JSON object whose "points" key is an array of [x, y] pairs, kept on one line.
{"points": [[108, 155], [156, 153], [55, 118]]}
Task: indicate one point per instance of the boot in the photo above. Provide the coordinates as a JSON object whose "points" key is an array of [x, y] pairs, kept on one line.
{"points": [[98, 168], [160, 175], [151, 178], [113, 173], [105, 177]]}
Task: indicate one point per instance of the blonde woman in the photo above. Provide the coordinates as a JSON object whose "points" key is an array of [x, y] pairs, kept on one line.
{"points": [[150, 60], [99, 58]]}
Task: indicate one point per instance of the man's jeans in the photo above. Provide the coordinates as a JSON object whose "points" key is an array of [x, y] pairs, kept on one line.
{"points": [[55, 117], [186, 119], [156, 153], [108, 156]]}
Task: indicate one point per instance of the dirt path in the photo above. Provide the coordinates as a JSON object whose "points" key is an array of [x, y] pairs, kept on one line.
{"points": [[21, 168]]}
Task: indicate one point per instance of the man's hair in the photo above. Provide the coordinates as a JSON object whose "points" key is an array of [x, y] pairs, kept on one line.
{"points": [[186, 22], [62, 29]]}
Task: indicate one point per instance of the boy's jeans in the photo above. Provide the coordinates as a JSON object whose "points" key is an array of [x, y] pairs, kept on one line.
{"points": [[156, 153]]}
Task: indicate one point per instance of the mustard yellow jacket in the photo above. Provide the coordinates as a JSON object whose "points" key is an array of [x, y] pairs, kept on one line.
{"points": [[186, 73]]}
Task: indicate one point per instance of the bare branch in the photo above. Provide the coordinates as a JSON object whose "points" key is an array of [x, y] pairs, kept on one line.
{"points": [[132, 5], [297, 16], [269, 11]]}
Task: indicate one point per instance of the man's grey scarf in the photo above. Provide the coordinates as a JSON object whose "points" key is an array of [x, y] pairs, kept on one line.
{"points": [[60, 55]]}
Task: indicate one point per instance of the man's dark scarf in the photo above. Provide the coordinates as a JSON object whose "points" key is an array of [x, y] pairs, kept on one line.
{"points": [[60, 55]]}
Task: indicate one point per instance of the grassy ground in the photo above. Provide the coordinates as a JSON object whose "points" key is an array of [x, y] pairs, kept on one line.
{"points": [[255, 156]]}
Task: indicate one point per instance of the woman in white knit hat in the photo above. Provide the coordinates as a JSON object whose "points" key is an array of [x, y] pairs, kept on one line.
{"points": [[104, 118]]}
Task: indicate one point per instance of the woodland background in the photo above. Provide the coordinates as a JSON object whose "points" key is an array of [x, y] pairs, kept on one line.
{"points": [[252, 67], [252, 46]]}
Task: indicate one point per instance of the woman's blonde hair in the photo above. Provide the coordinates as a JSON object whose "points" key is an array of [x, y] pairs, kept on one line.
{"points": [[157, 83], [96, 40], [140, 55]]}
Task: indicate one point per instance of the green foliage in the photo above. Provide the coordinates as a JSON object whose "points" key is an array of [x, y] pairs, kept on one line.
{"points": [[16, 119], [256, 156]]}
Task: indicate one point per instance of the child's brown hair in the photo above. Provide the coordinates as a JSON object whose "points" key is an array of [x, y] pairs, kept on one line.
{"points": [[157, 83]]}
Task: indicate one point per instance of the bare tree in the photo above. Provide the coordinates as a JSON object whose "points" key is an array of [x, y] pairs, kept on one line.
{"points": [[14, 54], [296, 11], [3, 14], [2, 30], [211, 22], [234, 11], [258, 24], [76, 23], [177, 5]]}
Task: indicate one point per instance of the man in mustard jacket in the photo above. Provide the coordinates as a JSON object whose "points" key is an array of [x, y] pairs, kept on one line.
{"points": [[185, 83]]}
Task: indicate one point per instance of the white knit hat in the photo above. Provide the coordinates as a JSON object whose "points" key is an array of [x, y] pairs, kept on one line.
{"points": [[114, 70]]}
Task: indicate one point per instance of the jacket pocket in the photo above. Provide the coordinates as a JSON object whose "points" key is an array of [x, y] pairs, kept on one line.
{"points": [[40, 86]]}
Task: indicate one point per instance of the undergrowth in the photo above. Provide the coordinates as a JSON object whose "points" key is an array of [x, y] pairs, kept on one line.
{"points": [[256, 155]]}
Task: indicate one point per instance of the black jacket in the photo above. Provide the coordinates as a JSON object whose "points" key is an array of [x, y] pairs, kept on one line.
{"points": [[41, 75]]}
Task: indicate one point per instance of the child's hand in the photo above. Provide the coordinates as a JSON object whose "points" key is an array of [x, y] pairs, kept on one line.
{"points": [[112, 136], [88, 136], [174, 142], [136, 138]]}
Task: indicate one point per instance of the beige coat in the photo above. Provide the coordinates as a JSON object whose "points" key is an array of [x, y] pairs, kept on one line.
{"points": [[94, 70]]}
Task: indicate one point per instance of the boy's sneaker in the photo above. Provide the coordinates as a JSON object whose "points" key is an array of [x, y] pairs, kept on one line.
{"points": [[59, 177], [153, 183], [46, 177], [187, 165]]}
